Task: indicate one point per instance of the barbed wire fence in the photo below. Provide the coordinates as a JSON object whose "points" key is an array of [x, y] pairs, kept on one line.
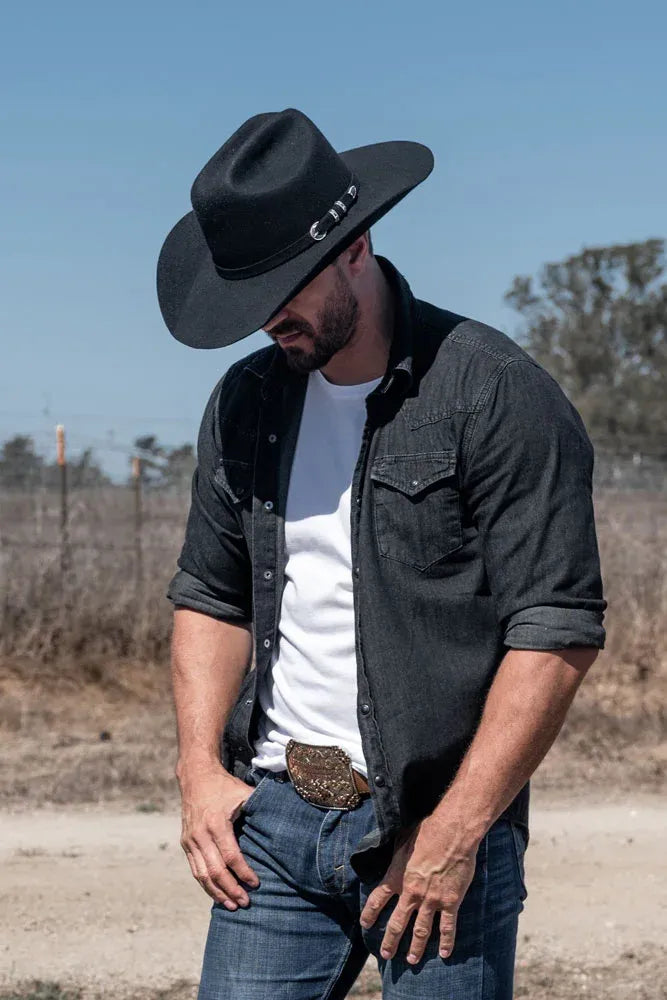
{"points": [[44, 507], [40, 510], [85, 562]]}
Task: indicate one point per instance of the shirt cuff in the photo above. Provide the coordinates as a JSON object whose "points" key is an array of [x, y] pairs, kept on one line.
{"points": [[186, 591], [554, 628]]}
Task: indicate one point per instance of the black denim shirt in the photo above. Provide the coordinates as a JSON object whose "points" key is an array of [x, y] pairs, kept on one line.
{"points": [[472, 532]]}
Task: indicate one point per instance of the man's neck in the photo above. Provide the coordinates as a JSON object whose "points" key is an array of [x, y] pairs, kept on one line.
{"points": [[366, 354]]}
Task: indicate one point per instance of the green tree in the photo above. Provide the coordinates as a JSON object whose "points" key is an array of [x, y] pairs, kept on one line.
{"points": [[20, 466], [162, 466], [84, 471], [180, 465], [598, 322]]}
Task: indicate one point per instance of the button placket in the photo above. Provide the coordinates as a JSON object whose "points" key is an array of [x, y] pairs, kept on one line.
{"points": [[370, 736], [265, 531], [278, 423]]}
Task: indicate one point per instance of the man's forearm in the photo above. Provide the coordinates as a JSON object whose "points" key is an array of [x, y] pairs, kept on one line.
{"points": [[209, 659], [524, 711]]}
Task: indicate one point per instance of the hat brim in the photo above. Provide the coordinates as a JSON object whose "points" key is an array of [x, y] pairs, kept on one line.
{"points": [[202, 309]]}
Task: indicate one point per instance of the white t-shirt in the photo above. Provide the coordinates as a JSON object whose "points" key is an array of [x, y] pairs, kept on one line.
{"points": [[310, 693]]}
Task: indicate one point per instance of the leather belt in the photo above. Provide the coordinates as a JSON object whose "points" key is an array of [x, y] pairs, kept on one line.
{"points": [[362, 785], [324, 776]]}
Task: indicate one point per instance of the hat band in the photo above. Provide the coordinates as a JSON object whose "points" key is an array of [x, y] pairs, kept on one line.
{"points": [[317, 232]]}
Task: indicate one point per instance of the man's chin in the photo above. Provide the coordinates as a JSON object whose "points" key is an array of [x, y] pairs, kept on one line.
{"points": [[303, 361], [299, 361]]}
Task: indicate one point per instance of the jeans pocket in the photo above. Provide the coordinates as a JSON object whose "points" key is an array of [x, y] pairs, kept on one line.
{"points": [[519, 842], [257, 777]]}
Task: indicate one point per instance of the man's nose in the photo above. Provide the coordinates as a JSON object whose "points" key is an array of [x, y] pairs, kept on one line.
{"points": [[278, 318]]}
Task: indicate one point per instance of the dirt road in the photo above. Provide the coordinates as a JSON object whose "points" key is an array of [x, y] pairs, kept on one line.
{"points": [[97, 898]]}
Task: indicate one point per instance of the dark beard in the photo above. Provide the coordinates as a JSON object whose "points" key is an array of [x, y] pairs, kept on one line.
{"points": [[337, 321]]}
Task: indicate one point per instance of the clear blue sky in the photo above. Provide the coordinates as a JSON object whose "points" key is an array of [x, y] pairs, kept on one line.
{"points": [[548, 124]]}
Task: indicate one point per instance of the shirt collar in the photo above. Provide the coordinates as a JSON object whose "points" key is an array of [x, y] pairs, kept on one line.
{"points": [[400, 362]]}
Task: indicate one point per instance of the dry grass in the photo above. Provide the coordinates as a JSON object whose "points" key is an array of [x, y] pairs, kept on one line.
{"points": [[632, 530], [109, 599], [103, 734], [100, 608]]}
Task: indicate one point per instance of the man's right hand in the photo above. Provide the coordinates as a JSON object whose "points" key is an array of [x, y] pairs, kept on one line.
{"points": [[211, 800]]}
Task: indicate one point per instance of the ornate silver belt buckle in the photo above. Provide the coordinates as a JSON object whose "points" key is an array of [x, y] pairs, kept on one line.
{"points": [[322, 775]]}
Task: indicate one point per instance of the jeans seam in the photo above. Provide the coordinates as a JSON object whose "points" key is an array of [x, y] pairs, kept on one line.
{"points": [[317, 854], [343, 857], [517, 852], [485, 872], [339, 968], [253, 794]]}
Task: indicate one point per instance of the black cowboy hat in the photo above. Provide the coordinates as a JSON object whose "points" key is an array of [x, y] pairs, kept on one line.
{"points": [[273, 207]]}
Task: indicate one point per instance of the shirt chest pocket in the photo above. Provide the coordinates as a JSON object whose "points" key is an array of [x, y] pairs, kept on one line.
{"points": [[235, 477], [416, 507]]}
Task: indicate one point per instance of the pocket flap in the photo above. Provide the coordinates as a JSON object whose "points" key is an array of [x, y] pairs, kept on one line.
{"points": [[412, 473], [235, 477]]}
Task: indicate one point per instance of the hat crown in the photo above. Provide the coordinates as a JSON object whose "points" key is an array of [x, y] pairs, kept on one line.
{"points": [[264, 188]]}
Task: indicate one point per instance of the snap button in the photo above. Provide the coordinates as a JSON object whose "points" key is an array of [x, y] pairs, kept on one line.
{"points": [[379, 781], [415, 482], [273, 438], [248, 701], [356, 571], [267, 574], [365, 709], [268, 505], [267, 643]]}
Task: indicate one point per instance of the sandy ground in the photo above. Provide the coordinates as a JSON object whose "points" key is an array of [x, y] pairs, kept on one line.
{"points": [[97, 901], [105, 899]]}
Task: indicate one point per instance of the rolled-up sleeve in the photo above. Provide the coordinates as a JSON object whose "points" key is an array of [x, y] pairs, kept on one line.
{"points": [[214, 574], [528, 488]]}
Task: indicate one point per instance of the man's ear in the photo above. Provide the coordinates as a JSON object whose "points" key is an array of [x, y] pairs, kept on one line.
{"points": [[357, 251]]}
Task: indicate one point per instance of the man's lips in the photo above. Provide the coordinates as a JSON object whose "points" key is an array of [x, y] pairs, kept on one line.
{"points": [[288, 338]]}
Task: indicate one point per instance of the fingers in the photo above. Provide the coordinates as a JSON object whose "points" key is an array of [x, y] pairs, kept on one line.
{"points": [[234, 860], [447, 932], [219, 885], [411, 901], [200, 873], [395, 928], [421, 931], [376, 901], [214, 863]]}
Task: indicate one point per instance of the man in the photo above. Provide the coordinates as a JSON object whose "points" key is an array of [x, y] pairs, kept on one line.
{"points": [[392, 506]]}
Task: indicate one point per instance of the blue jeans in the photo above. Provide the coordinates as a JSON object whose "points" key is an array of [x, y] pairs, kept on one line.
{"points": [[300, 937]]}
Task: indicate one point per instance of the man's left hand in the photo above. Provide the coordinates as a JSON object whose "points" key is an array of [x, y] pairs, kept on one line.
{"points": [[431, 876]]}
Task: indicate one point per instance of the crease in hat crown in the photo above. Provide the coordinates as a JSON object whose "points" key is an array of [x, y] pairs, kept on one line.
{"points": [[273, 159]]}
